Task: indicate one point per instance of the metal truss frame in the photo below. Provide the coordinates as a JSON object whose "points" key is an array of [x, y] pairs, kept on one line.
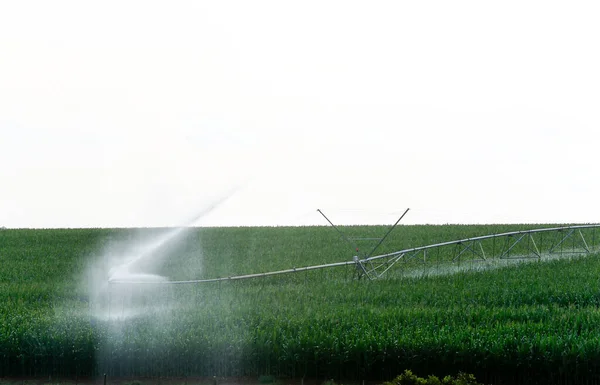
{"points": [[375, 267]]}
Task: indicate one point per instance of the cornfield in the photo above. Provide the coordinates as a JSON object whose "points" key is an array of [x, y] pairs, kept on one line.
{"points": [[525, 323]]}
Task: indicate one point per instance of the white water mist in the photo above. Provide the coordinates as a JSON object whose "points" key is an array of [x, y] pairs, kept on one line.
{"points": [[123, 282]]}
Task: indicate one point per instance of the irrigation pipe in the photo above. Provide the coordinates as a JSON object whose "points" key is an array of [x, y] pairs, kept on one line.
{"points": [[353, 262]]}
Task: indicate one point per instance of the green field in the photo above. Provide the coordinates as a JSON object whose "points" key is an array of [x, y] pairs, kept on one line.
{"points": [[526, 323]]}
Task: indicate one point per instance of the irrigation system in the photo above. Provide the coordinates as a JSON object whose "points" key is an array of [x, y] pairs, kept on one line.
{"points": [[515, 245], [535, 244]]}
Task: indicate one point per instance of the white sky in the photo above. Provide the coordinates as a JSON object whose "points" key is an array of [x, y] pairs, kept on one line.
{"points": [[141, 113]]}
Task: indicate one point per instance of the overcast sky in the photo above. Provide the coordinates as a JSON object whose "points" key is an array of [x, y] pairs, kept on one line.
{"points": [[142, 113]]}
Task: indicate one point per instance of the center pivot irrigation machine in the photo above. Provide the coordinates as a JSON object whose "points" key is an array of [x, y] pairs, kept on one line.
{"points": [[463, 254]]}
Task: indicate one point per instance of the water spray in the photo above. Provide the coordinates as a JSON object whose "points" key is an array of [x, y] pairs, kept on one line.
{"points": [[113, 301], [123, 271]]}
